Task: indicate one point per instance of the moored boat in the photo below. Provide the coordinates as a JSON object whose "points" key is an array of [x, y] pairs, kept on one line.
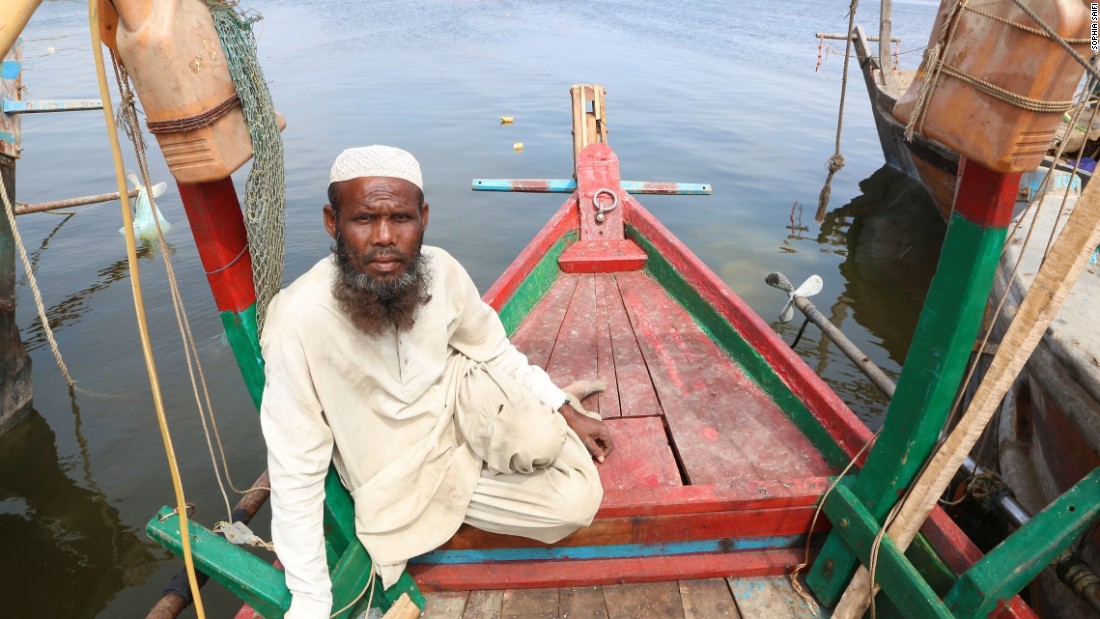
{"points": [[726, 440]]}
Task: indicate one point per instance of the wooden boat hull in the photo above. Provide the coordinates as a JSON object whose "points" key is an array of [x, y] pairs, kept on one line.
{"points": [[741, 505], [925, 160]]}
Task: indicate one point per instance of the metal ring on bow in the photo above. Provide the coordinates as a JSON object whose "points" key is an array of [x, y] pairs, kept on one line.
{"points": [[600, 210]]}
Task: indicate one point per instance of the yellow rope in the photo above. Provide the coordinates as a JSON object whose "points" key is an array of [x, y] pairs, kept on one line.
{"points": [[28, 268], [139, 305], [811, 603]]}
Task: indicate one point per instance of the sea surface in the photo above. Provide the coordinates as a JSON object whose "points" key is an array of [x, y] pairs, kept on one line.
{"points": [[718, 92]]}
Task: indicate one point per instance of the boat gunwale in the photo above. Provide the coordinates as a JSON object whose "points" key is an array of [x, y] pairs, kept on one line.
{"points": [[951, 545]]}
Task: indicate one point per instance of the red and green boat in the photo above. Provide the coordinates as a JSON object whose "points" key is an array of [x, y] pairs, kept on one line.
{"points": [[726, 440]]}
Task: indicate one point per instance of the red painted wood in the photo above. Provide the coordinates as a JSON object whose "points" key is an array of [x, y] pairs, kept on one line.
{"points": [[642, 456], [837, 419], [985, 197], [605, 360], [526, 574], [732, 496], [218, 227], [602, 257], [598, 168], [959, 553], [637, 395], [536, 335], [723, 426], [574, 355], [658, 529], [563, 221]]}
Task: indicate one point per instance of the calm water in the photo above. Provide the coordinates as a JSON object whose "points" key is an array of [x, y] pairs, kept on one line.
{"points": [[708, 91]]}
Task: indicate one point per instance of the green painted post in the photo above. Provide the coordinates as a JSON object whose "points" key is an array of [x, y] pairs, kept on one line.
{"points": [[1002, 573], [930, 378]]}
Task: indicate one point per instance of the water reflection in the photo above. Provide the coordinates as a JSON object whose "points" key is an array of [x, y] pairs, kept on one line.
{"points": [[65, 551], [888, 239], [892, 234], [75, 305]]}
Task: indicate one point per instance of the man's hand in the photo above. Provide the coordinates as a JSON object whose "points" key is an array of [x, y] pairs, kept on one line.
{"points": [[592, 432]]}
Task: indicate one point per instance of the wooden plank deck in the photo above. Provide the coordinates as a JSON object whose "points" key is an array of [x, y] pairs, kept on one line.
{"points": [[709, 476], [712, 598], [623, 329]]}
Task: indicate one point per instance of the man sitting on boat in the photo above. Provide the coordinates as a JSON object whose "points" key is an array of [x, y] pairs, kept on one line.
{"points": [[384, 360]]}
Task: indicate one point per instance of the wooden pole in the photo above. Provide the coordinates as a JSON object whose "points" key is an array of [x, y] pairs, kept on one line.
{"points": [[886, 67], [15, 364], [15, 16], [1052, 284]]}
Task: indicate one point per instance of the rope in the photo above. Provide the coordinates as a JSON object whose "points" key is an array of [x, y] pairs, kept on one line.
{"points": [[935, 58], [194, 361], [795, 583], [932, 57], [128, 112], [1057, 38], [1009, 97], [1035, 31], [370, 600], [29, 270], [196, 121], [836, 161], [139, 305]]}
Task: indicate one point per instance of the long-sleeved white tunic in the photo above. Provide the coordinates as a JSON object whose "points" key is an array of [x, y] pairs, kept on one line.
{"points": [[378, 408]]}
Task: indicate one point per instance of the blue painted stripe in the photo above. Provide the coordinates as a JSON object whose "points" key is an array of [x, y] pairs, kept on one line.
{"points": [[9, 137], [570, 185], [10, 69], [619, 551], [50, 105]]}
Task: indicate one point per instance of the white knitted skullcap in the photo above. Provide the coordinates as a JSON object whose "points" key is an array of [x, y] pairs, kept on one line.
{"points": [[376, 161]]}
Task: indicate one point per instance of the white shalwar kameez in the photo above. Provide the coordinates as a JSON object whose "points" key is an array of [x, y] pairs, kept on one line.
{"points": [[444, 424]]}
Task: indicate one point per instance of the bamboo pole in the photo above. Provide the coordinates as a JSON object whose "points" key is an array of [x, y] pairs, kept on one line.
{"points": [[1052, 284], [15, 16]]}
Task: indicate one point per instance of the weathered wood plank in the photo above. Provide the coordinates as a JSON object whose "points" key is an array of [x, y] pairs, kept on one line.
{"points": [[637, 395], [484, 605], [536, 335], [574, 355], [582, 603], [530, 604], [605, 351], [770, 597], [642, 457], [656, 599], [445, 604], [708, 599], [723, 426]]}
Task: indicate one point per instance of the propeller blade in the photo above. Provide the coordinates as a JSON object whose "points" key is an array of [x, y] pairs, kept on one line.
{"points": [[810, 287], [788, 312], [780, 281]]}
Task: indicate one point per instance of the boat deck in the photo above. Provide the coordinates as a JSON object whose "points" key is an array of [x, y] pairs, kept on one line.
{"points": [[712, 598], [709, 477], [682, 410]]}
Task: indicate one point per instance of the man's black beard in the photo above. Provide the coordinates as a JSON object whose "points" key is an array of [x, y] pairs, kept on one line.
{"points": [[374, 305]]}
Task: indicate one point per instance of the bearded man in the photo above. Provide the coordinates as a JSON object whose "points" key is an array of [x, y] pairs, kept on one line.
{"points": [[383, 360]]}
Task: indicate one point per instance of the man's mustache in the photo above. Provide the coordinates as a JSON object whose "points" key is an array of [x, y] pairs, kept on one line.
{"points": [[384, 252]]}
